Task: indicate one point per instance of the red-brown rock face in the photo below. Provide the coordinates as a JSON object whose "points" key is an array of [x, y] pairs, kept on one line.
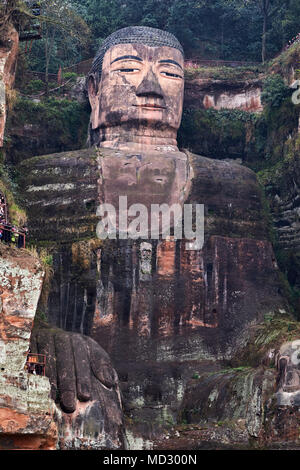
{"points": [[182, 293], [26, 410], [157, 308], [84, 386], [218, 94]]}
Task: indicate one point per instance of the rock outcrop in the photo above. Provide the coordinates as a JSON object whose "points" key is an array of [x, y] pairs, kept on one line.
{"points": [[26, 410], [282, 184], [77, 405], [218, 94], [85, 387], [177, 324], [159, 310]]}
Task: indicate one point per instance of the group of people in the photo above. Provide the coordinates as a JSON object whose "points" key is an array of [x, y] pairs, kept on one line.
{"points": [[294, 40], [35, 369], [8, 232], [2, 209], [35, 363]]}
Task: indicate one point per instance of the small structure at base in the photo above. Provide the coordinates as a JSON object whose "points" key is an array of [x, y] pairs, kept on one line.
{"points": [[36, 364]]}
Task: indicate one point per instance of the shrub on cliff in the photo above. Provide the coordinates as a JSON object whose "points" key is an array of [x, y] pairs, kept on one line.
{"points": [[274, 91], [48, 126], [216, 133]]}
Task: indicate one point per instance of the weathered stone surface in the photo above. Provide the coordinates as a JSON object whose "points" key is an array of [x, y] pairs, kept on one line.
{"points": [[231, 396], [143, 107], [282, 188], [232, 198], [288, 381], [61, 192], [159, 309], [78, 90], [161, 302], [26, 410], [85, 387], [218, 94], [21, 277], [144, 178]]}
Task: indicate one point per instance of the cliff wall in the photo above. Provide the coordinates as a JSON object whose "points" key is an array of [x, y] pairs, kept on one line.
{"points": [[26, 410], [170, 320]]}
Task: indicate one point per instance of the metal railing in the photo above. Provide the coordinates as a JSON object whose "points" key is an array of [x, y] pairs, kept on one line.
{"points": [[8, 235], [82, 67], [36, 364]]}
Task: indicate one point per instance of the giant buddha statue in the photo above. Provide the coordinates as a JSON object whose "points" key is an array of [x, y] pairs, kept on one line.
{"points": [[160, 309], [136, 89]]}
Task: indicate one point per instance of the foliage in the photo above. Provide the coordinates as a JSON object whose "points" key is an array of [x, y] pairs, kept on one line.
{"points": [[281, 122], [64, 32], [65, 119], [277, 329], [287, 59], [233, 74], [216, 133], [274, 91], [34, 87], [46, 258], [268, 10], [13, 12], [69, 76], [17, 215], [40, 316]]}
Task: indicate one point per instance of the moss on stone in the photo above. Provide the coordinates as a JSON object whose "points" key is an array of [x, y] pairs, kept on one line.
{"points": [[276, 329], [232, 74], [46, 126], [17, 215], [282, 64], [216, 133]]}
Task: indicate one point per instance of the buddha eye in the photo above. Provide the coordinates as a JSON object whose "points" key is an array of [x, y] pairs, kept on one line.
{"points": [[127, 70], [172, 75]]}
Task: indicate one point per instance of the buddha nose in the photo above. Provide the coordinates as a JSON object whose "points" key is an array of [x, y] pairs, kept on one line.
{"points": [[150, 86]]}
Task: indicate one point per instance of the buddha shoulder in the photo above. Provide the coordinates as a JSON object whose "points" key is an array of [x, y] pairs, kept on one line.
{"points": [[225, 179]]}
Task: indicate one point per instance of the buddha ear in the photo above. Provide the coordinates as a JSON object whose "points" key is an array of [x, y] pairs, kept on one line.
{"points": [[92, 87]]}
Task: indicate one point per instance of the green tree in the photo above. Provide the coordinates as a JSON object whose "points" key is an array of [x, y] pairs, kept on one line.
{"points": [[62, 29], [102, 16], [13, 12], [268, 9], [290, 21], [227, 29]]}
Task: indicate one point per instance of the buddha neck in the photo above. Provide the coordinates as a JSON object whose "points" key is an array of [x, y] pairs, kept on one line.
{"points": [[140, 141]]}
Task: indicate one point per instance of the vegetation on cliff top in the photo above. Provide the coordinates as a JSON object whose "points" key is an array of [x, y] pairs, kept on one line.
{"points": [[205, 28], [17, 215], [216, 133], [225, 73], [46, 126]]}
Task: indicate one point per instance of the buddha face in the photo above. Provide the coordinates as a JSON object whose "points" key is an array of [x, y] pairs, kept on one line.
{"points": [[141, 89]]}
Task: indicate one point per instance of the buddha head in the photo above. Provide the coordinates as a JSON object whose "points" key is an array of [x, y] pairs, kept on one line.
{"points": [[135, 89]]}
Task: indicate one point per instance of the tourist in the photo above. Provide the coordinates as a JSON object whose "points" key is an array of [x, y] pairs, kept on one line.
{"points": [[8, 232]]}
